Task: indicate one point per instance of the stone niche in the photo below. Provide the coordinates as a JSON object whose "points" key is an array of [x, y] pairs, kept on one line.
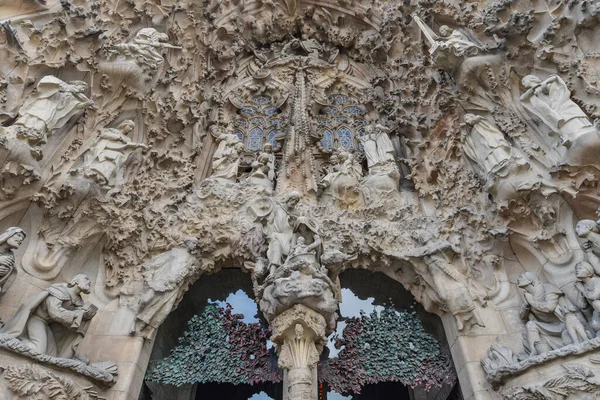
{"points": [[149, 146]]}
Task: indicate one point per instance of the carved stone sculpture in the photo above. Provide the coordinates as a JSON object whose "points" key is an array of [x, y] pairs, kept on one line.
{"points": [[53, 104], [551, 320], [54, 321], [278, 221], [448, 283], [486, 145], [589, 230], [137, 61], [550, 100], [226, 160], [449, 46], [263, 169], [299, 333], [342, 185], [162, 283], [380, 154], [103, 162], [43, 113], [10, 240]]}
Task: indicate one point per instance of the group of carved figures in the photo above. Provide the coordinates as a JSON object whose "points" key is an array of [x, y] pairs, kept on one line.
{"points": [[54, 321], [340, 186], [54, 103]]}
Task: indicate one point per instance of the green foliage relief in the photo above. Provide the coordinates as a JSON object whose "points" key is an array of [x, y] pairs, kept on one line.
{"points": [[392, 346]]}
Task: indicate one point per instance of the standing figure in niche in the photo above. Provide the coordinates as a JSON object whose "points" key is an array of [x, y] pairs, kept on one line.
{"points": [[378, 147], [550, 101], [103, 161], [551, 320], [10, 240], [54, 321]]}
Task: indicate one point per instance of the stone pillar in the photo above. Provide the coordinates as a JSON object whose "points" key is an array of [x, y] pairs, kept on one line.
{"points": [[299, 333]]}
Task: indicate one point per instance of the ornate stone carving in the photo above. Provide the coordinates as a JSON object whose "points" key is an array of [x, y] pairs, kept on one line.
{"points": [[33, 381], [136, 62], [276, 91], [299, 333], [156, 289], [103, 162], [445, 283], [552, 321], [341, 186], [44, 113], [10, 240], [576, 380], [226, 159], [55, 321], [450, 46], [550, 100]]}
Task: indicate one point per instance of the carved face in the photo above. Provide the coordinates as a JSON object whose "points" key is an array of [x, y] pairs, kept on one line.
{"points": [[15, 240], [293, 201], [583, 270], [445, 30], [84, 284], [585, 227]]}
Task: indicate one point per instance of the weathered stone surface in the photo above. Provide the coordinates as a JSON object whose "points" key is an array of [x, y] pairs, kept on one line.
{"points": [[450, 145]]}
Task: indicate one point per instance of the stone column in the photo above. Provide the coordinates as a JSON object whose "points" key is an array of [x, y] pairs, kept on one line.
{"points": [[299, 333]]}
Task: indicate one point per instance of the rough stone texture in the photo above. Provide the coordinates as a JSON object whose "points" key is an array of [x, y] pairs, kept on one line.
{"points": [[454, 159]]}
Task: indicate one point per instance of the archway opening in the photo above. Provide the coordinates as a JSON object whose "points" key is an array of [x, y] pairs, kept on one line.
{"points": [[229, 362]]}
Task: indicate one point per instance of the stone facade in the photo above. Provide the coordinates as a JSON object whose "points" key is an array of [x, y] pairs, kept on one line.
{"points": [[451, 146]]}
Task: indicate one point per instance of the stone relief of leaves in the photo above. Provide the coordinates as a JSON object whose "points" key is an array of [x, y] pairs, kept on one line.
{"points": [[36, 383]]}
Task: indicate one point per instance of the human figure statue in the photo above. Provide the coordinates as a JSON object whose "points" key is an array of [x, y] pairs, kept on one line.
{"points": [[550, 100], [10, 240], [551, 320], [104, 160], [54, 321], [589, 230], [485, 145], [342, 183], [268, 153], [226, 160], [53, 104], [448, 40], [378, 147], [302, 248], [166, 278], [278, 228], [262, 173], [136, 62], [589, 282], [44, 112], [306, 230], [145, 47], [447, 281]]}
